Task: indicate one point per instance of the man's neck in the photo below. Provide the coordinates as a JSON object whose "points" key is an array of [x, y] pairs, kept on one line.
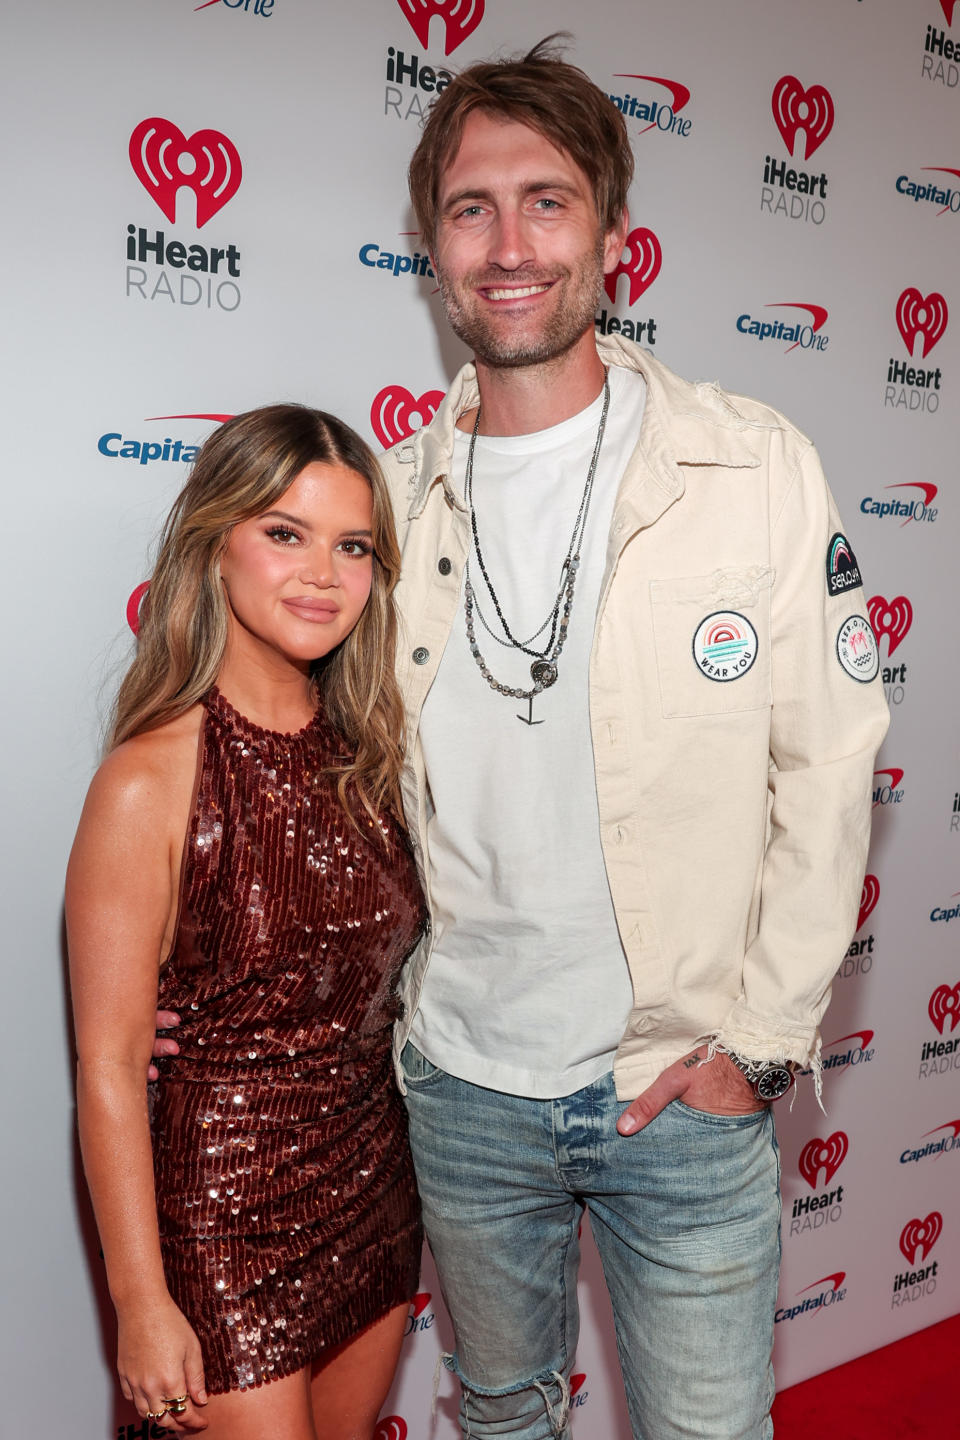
{"points": [[523, 400]]}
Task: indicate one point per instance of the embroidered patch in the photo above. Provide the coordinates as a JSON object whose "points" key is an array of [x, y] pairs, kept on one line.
{"points": [[857, 649], [725, 645], [843, 572]]}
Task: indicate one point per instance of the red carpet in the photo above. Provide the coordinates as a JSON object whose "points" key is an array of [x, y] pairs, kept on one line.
{"points": [[904, 1390]]}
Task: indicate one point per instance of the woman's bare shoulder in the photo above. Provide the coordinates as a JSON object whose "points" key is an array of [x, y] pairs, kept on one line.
{"points": [[149, 774]]}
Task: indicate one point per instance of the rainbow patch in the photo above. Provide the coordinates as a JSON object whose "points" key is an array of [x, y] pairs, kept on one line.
{"points": [[724, 646], [843, 572]]}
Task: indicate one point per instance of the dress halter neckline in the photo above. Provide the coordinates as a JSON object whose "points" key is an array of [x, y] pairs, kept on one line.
{"points": [[217, 703]]}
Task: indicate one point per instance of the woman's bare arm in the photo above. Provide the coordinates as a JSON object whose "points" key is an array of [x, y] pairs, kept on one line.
{"points": [[121, 905]]}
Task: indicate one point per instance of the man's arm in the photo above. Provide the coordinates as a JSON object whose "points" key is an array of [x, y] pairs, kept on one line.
{"points": [[828, 719]]}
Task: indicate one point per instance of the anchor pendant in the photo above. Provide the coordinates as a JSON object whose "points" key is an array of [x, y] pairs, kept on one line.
{"points": [[530, 720]]}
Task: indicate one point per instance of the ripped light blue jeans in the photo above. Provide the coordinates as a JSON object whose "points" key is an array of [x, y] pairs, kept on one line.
{"points": [[685, 1216]]}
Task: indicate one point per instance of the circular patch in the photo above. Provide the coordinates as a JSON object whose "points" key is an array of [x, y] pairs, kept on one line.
{"points": [[724, 646], [857, 649]]}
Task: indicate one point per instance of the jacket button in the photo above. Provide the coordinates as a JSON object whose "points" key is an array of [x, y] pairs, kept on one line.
{"points": [[444, 566], [421, 655]]}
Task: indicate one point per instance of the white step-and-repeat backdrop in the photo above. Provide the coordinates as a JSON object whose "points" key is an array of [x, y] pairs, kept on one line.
{"points": [[206, 210]]}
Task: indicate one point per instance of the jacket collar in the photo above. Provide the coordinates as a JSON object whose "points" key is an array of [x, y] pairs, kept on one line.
{"points": [[683, 424]]}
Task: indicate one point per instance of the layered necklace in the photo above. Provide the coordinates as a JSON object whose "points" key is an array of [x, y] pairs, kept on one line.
{"points": [[543, 670]]}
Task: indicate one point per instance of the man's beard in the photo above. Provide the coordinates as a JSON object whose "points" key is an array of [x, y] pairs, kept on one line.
{"points": [[486, 334]]}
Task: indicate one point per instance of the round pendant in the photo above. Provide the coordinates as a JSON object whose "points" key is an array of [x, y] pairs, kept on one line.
{"points": [[544, 673]]}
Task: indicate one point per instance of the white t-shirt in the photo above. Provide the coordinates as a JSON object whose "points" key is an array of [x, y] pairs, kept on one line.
{"points": [[528, 989]]}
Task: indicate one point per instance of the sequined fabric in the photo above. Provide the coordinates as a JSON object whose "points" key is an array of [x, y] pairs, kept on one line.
{"points": [[288, 1213]]}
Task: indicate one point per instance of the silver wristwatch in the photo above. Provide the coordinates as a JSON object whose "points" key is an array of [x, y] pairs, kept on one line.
{"points": [[770, 1078]]}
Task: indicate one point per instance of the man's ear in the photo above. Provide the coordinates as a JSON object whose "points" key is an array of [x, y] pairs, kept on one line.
{"points": [[614, 241]]}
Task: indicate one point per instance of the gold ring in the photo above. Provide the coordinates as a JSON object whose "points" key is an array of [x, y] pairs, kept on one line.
{"points": [[156, 1414], [176, 1404]]}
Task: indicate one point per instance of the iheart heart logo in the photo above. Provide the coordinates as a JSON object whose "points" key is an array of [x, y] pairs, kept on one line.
{"points": [[460, 19], [947, 6], [391, 1427], [642, 265], [795, 108], [163, 160], [892, 618], [917, 315], [918, 1237], [869, 896], [826, 1155], [133, 606], [945, 1004], [395, 412]]}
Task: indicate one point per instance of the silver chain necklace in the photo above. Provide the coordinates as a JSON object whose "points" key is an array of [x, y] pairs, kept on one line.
{"points": [[543, 671]]}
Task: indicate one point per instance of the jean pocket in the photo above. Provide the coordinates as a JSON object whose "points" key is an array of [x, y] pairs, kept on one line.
{"points": [[724, 1122], [416, 1069]]}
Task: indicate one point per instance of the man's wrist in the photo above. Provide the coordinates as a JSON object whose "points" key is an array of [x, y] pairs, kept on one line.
{"points": [[769, 1079]]}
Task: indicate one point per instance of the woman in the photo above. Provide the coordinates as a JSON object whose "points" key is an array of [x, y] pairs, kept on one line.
{"points": [[240, 861]]}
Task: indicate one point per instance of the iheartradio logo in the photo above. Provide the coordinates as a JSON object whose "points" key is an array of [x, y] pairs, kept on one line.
{"points": [[396, 413], [207, 163], [460, 19], [892, 618], [797, 109], [947, 6], [869, 896], [133, 606], [391, 1427], [826, 1155], [917, 315], [641, 266], [944, 1005], [918, 1237]]}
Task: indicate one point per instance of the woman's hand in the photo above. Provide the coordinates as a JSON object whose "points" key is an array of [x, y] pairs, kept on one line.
{"points": [[158, 1359]]}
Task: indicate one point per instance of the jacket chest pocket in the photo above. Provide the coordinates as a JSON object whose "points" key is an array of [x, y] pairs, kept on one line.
{"points": [[712, 637]]}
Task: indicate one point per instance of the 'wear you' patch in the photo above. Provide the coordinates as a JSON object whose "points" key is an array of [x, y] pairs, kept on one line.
{"points": [[724, 645], [857, 649], [843, 572]]}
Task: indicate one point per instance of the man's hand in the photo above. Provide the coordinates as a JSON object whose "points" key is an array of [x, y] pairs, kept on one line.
{"points": [[718, 1087], [163, 1044]]}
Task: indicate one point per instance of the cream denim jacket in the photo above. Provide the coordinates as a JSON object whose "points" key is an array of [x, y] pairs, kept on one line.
{"points": [[734, 814]]}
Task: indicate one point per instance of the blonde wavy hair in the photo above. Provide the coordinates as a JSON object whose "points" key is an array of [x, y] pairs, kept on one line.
{"points": [[240, 472]]}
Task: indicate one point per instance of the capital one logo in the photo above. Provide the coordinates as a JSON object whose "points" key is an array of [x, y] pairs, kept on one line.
{"points": [[164, 160], [641, 265], [917, 315], [945, 1005], [679, 97], [918, 1237], [818, 318], [826, 1155], [885, 792], [892, 618], [460, 19], [391, 1427], [396, 413], [795, 108], [869, 896]]}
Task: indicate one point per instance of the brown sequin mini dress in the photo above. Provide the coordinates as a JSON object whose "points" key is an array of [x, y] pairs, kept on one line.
{"points": [[288, 1213]]}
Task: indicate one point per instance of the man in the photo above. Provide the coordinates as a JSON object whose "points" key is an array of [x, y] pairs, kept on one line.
{"points": [[642, 715], [642, 712]]}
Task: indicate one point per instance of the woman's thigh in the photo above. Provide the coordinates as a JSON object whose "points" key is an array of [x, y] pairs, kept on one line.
{"points": [[350, 1385], [280, 1410]]}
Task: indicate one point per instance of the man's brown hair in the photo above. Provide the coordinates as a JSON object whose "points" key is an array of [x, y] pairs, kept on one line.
{"points": [[540, 90]]}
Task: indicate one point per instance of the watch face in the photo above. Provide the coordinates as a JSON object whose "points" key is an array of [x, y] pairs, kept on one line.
{"points": [[774, 1082]]}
